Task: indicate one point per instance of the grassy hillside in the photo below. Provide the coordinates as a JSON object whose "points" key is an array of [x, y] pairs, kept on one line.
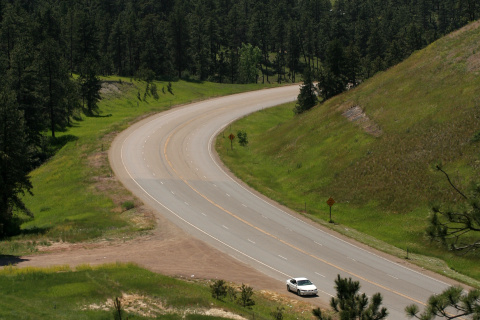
{"points": [[89, 292], [380, 166], [76, 197]]}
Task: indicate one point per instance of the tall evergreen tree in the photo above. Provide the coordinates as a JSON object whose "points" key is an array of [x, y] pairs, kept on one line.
{"points": [[52, 71], [307, 97], [89, 86], [14, 162], [199, 46], [179, 37]]}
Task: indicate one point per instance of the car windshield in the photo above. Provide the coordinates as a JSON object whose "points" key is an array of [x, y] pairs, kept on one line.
{"points": [[304, 282]]}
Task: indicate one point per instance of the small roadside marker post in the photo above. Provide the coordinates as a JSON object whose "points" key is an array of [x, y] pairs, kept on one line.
{"points": [[330, 203], [231, 137]]}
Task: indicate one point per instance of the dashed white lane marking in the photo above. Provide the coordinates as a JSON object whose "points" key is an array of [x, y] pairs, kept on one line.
{"points": [[328, 294], [392, 276], [321, 275], [225, 227], [251, 241], [282, 257], [318, 243]]}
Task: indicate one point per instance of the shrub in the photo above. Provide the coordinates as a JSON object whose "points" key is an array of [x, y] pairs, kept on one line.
{"points": [[127, 205], [219, 289], [245, 298], [242, 138]]}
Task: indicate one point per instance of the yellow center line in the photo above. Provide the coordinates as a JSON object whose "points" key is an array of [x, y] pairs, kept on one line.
{"points": [[271, 235]]}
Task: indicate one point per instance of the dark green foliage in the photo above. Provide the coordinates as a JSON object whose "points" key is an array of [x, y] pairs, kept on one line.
{"points": [[89, 87], [14, 163], [179, 36], [245, 299], [153, 91], [249, 59], [219, 289], [349, 304], [202, 40], [231, 293], [242, 138], [476, 137], [459, 304], [307, 97]]}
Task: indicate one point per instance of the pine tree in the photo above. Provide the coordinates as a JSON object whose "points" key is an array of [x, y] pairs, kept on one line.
{"points": [[51, 72], [179, 37], [307, 97], [351, 305], [89, 86], [14, 163]]}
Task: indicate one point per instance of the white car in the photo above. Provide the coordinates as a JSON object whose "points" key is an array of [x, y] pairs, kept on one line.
{"points": [[302, 286]]}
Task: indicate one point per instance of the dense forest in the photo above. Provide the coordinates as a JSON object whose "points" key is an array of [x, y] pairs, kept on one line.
{"points": [[52, 53]]}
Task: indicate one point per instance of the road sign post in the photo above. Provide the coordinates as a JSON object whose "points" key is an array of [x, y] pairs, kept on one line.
{"points": [[330, 203]]}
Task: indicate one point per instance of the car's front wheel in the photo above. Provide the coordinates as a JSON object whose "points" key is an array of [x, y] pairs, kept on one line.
{"points": [[288, 288], [298, 292]]}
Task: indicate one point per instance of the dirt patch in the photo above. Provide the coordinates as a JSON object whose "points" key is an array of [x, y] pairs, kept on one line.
{"points": [[473, 63], [150, 307], [113, 88], [356, 115]]}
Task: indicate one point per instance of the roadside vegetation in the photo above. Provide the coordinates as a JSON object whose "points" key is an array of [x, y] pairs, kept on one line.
{"points": [[90, 293], [375, 149]]}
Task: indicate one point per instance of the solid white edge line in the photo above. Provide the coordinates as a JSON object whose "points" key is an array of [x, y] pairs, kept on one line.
{"points": [[190, 224]]}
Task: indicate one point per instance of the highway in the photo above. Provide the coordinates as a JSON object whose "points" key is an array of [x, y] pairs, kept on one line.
{"points": [[168, 161]]}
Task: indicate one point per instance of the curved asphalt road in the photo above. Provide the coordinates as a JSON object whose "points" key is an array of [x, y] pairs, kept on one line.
{"points": [[168, 162]]}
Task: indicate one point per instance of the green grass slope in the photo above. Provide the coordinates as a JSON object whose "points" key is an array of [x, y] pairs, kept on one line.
{"points": [[379, 168], [75, 196]]}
